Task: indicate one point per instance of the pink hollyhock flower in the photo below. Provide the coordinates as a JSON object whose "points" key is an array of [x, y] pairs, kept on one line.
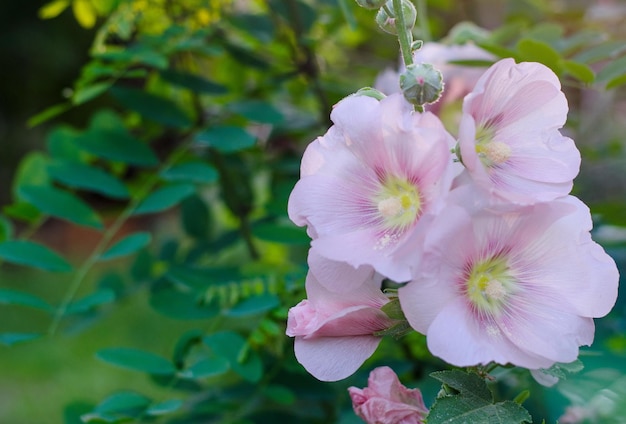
{"points": [[377, 175], [386, 401], [338, 277], [509, 139], [335, 332], [520, 287]]}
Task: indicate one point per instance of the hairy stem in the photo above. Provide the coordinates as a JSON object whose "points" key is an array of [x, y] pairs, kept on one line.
{"points": [[404, 35]]}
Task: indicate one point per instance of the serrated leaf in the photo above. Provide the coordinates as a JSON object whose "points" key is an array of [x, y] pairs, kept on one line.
{"points": [[473, 403], [137, 360], [91, 301], [10, 339], [153, 107], [164, 408], [206, 368], [579, 71], [127, 246], [164, 198], [193, 172], [258, 111], [81, 176], [538, 51], [226, 139], [61, 204], [53, 9], [34, 255], [14, 297], [195, 83], [254, 305]]}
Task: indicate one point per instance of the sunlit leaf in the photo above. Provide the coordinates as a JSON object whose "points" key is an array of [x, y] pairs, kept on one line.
{"points": [[614, 69], [53, 9], [616, 82], [84, 12], [206, 368], [164, 198], [48, 114], [61, 204], [32, 171], [538, 51], [34, 255], [127, 246], [137, 360], [89, 92], [580, 71]]}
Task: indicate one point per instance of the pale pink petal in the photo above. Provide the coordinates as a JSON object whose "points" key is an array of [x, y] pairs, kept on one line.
{"points": [[338, 277], [334, 358]]}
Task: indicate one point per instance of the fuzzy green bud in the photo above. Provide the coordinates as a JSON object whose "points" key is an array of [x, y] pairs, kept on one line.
{"points": [[371, 4], [370, 92], [386, 17], [421, 84]]}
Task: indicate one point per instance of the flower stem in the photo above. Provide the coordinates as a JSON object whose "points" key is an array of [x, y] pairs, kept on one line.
{"points": [[404, 35], [93, 258]]}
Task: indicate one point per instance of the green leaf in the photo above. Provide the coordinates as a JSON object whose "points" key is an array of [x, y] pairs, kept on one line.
{"points": [[612, 70], [137, 360], [226, 139], [608, 50], [234, 348], [63, 144], [84, 13], [122, 401], [81, 176], [254, 305], [164, 408], [136, 54], [538, 51], [32, 171], [258, 111], [89, 92], [6, 229], [127, 246], [347, 13], [280, 394], [13, 297], [196, 217], [91, 301], [183, 305], [579, 71], [153, 107], [10, 339], [192, 172], [109, 139], [22, 211], [34, 255], [195, 83], [53, 9], [164, 198], [616, 82], [61, 204], [48, 114], [206, 368], [281, 233], [472, 402]]}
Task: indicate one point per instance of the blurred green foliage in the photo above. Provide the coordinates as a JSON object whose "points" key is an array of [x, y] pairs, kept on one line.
{"points": [[182, 263]]}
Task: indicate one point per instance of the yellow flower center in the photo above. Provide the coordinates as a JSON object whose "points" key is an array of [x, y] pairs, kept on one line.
{"points": [[490, 152], [398, 202], [489, 283]]}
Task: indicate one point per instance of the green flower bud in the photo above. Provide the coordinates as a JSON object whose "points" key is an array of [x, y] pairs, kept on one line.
{"points": [[421, 83], [387, 22], [370, 92], [371, 4]]}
